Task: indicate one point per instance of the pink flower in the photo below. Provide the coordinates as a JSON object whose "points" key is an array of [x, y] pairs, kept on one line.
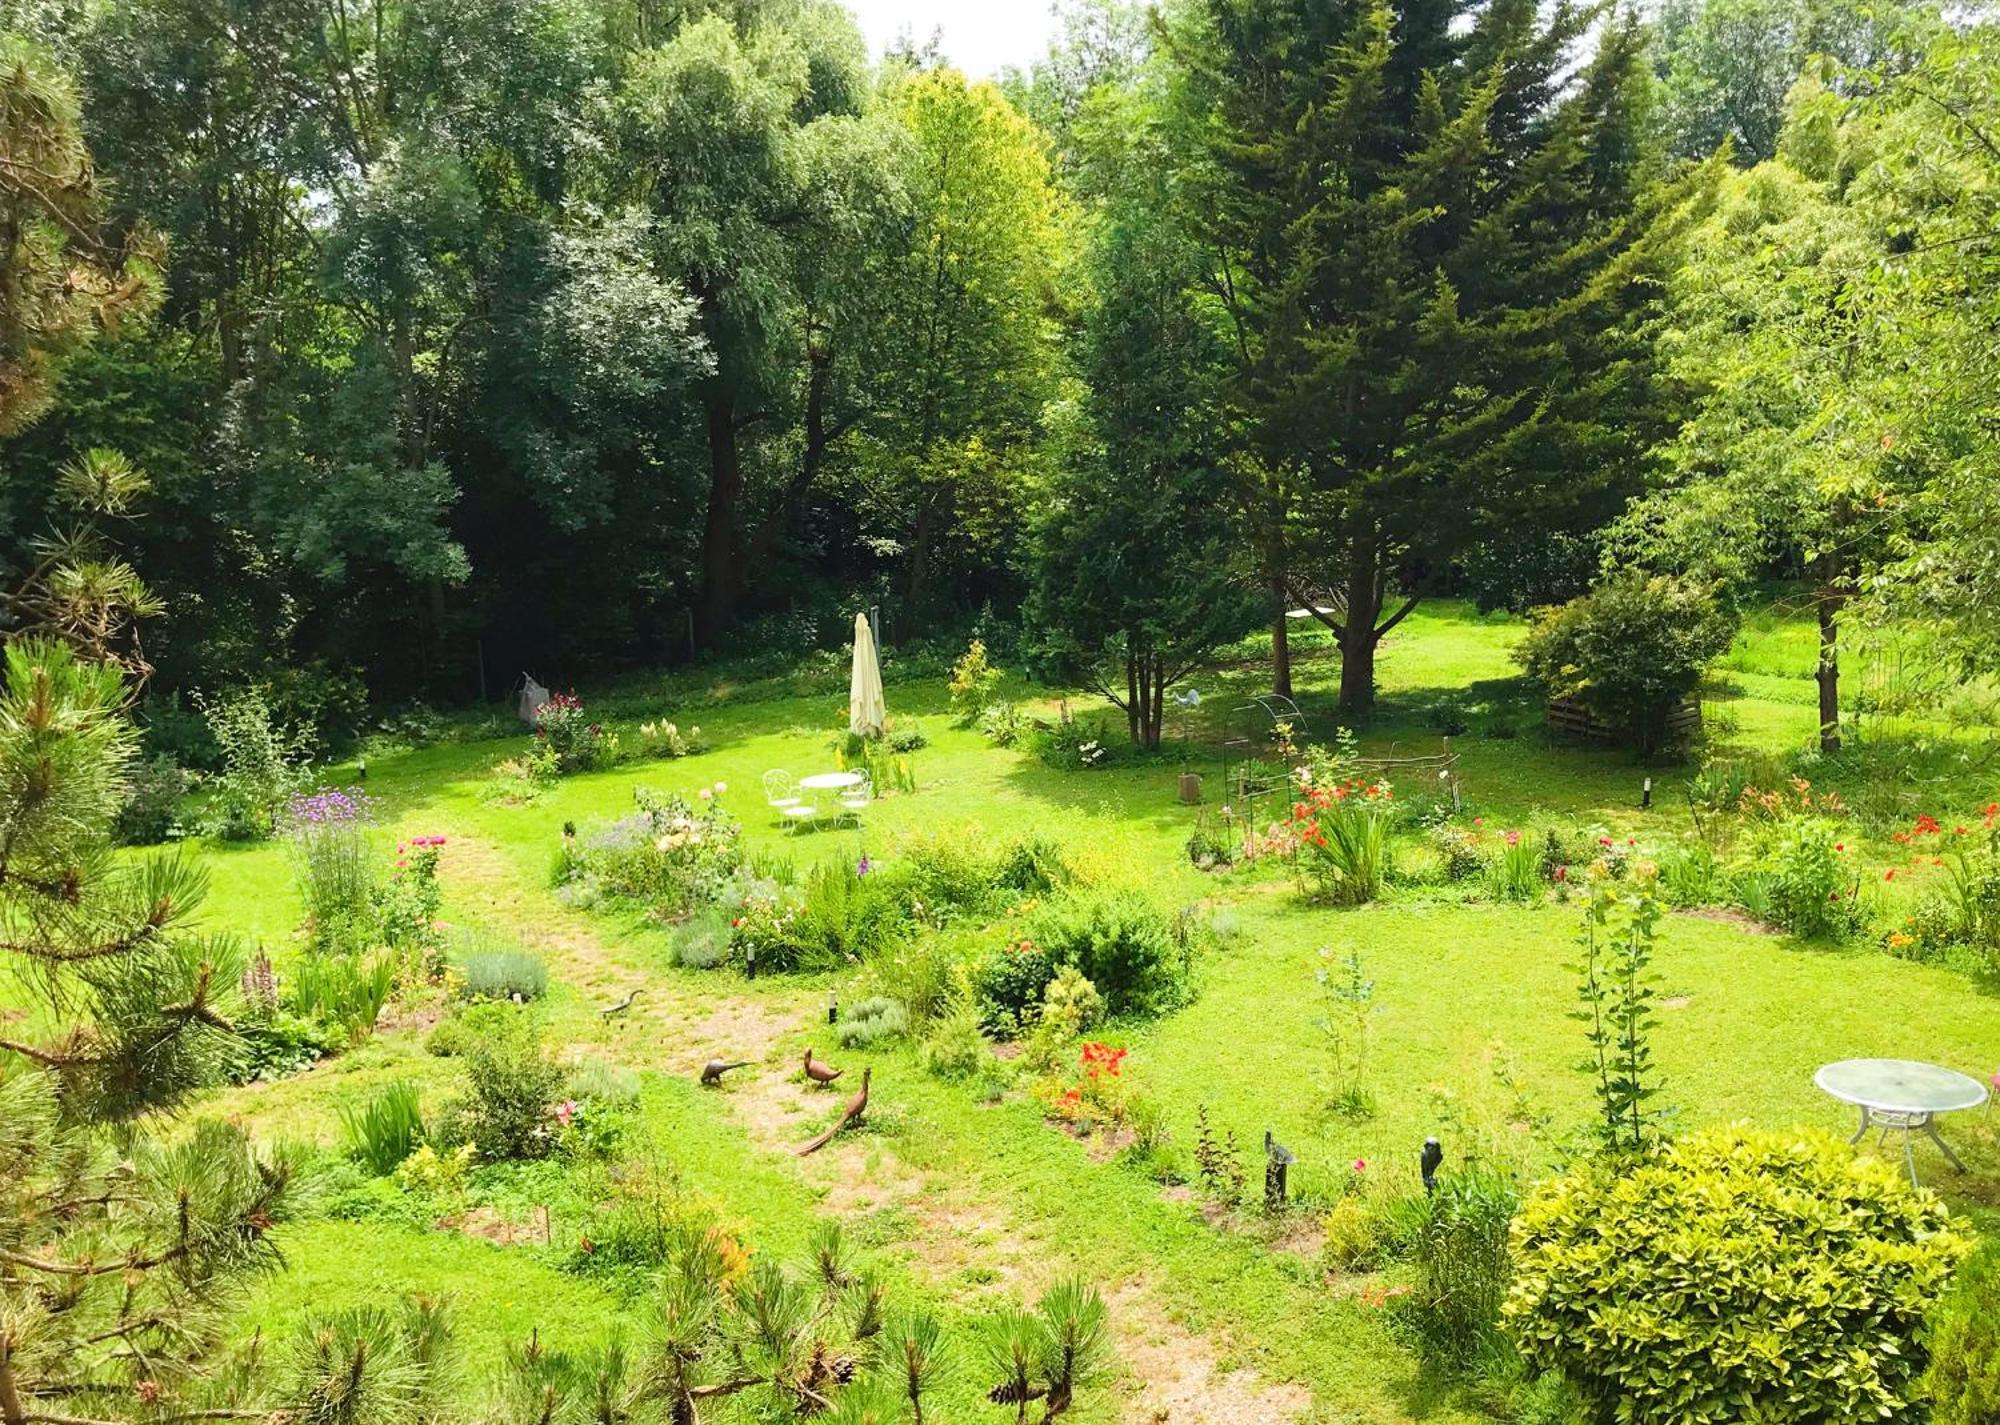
{"points": [[1360, 1165], [565, 1111]]}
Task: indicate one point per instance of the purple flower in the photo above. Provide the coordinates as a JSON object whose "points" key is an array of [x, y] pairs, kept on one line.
{"points": [[864, 866]]}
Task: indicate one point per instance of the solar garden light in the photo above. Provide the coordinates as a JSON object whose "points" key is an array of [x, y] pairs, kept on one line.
{"points": [[750, 962], [1277, 1160], [832, 1006], [1646, 796], [1428, 1163]]}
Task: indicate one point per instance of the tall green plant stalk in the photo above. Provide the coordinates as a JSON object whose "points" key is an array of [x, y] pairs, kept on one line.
{"points": [[1615, 991]]}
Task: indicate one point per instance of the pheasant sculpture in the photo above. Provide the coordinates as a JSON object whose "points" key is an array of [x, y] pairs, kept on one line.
{"points": [[849, 1116], [714, 1069], [821, 1073]]}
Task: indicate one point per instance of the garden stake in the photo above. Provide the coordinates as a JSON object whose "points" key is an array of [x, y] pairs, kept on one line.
{"points": [[833, 1006], [1646, 796], [1433, 1155]]}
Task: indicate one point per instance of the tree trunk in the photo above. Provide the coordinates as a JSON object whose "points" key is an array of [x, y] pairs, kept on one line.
{"points": [[1358, 636], [718, 539], [1281, 640], [1827, 601]]}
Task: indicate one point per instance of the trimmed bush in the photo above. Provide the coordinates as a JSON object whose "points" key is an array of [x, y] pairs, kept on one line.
{"points": [[1964, 1340], [1734, 1275], [510, 1084], [1630, 651]]}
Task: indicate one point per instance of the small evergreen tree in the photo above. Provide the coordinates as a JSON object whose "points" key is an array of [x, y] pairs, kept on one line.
{"points": [[109, 1261]]}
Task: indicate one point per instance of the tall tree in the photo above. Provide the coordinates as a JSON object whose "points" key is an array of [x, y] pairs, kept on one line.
{"points": [[1141, 567], [1725, 66], [1788, 458], [968, 343], [1434, 237]]}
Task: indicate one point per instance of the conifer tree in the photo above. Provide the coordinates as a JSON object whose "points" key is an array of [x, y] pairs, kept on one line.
{"points": [[113, 1245], [1434, 235]]}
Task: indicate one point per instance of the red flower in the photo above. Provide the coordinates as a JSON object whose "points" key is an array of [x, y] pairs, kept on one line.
{"points": [[1890, 874]]}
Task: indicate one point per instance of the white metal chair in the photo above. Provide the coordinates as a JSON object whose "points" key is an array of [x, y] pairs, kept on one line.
{"points": [[780, 791], [855, 799], [799, 813]]}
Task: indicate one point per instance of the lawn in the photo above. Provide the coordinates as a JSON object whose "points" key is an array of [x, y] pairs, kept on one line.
{"points": [[970, 1200]]}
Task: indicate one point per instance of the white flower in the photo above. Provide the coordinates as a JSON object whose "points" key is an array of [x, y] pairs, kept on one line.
{"points": [[721, 787], [705, 793], [1444, 774]]}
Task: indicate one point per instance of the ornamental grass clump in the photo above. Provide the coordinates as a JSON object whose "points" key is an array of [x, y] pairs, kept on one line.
{"points": [[1734, 1275]]}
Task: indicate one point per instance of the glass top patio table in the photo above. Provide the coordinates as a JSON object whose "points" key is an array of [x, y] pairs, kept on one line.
{"points": [[1900, 1086]]}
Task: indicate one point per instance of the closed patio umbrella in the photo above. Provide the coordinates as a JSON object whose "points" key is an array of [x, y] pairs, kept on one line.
{"points": [[866, 712]]}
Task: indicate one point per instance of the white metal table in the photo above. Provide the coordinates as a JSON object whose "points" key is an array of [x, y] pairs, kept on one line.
{"points": [[830, 781], [1902, 1095]]}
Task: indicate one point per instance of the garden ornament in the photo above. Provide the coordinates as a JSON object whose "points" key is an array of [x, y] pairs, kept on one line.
{"points": [[714, 1069], [851, 1114], [614, 1010], [821, 1073], [1433, 1156]]}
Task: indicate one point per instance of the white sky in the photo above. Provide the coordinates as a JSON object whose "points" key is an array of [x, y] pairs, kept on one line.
{"points": [[979, 36]]}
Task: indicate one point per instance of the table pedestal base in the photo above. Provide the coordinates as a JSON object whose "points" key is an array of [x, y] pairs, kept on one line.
{"points": [[1906, 1123]]}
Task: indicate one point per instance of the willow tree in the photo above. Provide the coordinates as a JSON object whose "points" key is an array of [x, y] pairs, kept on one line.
{"points": [[1435, 237]]}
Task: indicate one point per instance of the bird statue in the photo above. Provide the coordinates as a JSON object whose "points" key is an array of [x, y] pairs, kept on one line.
{"points": [[1277, 1161], [1433, 1156], [714, 1069], [849, 1116], [821, 1073], [613, 1011]]}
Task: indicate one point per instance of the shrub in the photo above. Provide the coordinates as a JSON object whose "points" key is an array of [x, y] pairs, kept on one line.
{"points": [[408, 904], [279, 1044], [974, 681], [1033, 867], [454, 1035], [1003, 724], [506, 972], [1073, 743], [845, 916], [386, 1130], [906, 739], [150, 810], [1689, 875], [1010, 983], [873, 1019], [1125, 945], [1963, 1336], [923, 973], [671, 855], [511, 1082], [1733, 1275], [702, 941], [578, 743], [328, 835], [263, 764], [955, 1049], [948, 876], [1630, 651], [1460, 854], [1804, 881]]}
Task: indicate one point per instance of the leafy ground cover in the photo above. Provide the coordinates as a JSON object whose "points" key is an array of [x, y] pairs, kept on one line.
{"points": [[972, 1197]]}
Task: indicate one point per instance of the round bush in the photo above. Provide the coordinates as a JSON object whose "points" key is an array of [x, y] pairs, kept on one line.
{"points": [[1733, 1275], [1964, 1341]]}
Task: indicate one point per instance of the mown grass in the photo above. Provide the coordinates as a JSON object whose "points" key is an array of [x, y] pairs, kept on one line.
{"points": [[1470, 1041]]}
